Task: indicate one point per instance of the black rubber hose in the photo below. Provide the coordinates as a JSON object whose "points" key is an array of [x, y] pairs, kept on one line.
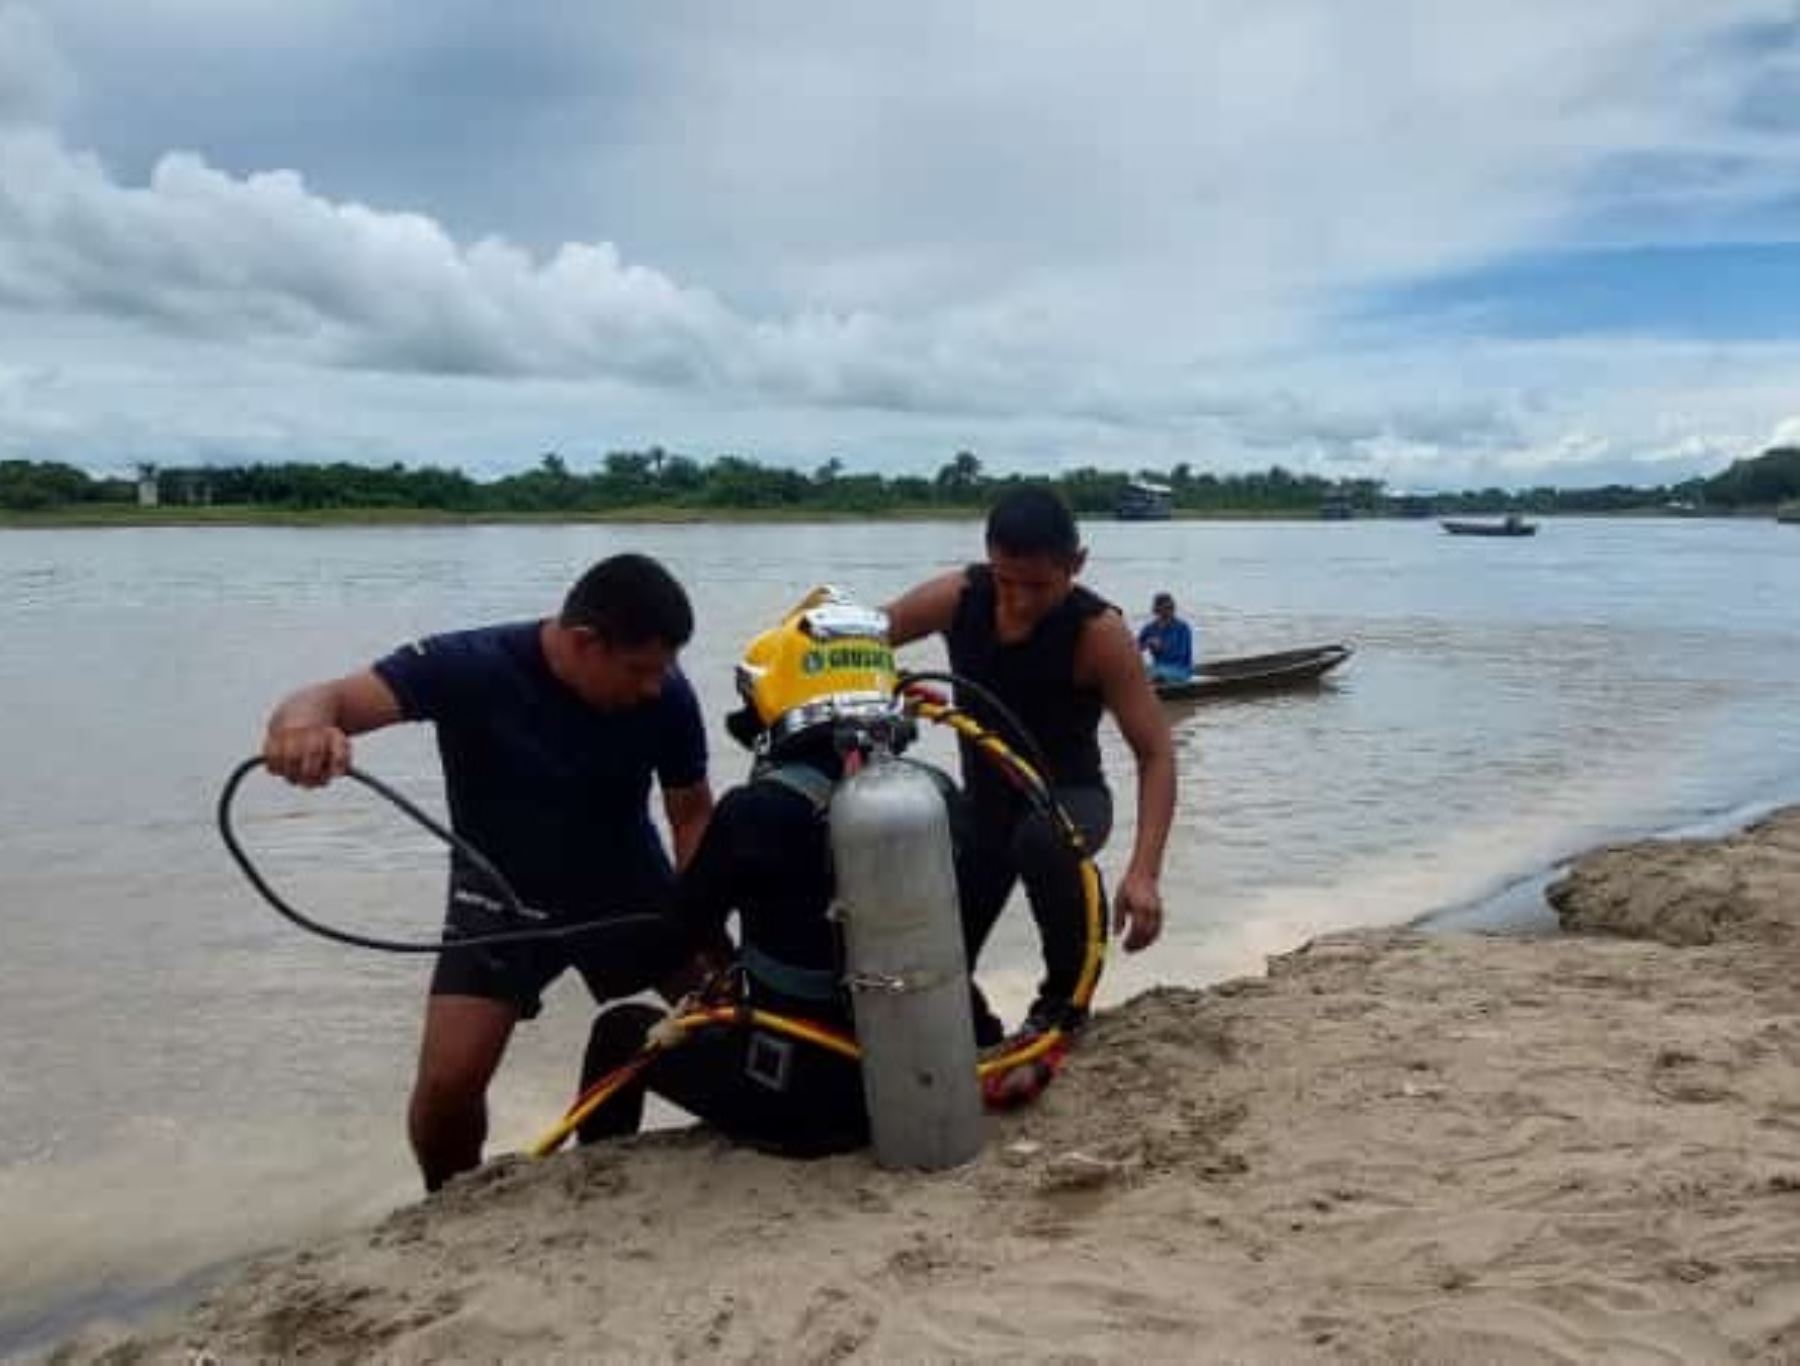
{"points": [[1021, 733], [474, 857], [1039, 794]]}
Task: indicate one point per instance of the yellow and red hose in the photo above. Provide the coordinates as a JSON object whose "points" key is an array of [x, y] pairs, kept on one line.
{"points": [[671, 1032]]}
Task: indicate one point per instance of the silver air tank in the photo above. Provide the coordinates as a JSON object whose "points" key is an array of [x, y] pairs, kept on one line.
{"points": [[896, 889]]}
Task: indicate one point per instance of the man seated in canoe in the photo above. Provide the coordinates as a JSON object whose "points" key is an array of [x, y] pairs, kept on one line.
{"points": [[1168, 641]]}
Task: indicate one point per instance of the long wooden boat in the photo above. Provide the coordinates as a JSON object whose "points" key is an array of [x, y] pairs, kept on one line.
{"points": [[1255, 673]]}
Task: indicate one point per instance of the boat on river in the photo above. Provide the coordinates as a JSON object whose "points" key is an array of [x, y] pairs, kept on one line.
{"points": [[1247, 674], [1511, 525], [1143, 501]]}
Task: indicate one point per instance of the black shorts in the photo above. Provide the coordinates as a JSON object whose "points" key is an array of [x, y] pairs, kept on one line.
{"points": [[613, 962]]}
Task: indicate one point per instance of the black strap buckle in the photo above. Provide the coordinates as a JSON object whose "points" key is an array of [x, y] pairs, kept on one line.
{"points": [[768, 1059]]}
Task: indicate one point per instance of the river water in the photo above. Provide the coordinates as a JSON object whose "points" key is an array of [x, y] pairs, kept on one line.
{"points": [[184, 1078]]}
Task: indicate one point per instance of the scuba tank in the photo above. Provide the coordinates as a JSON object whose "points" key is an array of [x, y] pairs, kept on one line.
{"points": [[905, 966]]}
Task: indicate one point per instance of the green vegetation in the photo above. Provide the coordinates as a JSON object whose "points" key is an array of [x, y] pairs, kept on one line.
{"points": [[660, 485], [1771, 478], [33, 486]]}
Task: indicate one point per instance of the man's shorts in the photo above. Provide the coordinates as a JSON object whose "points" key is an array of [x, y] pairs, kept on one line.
{"points": [[613, 962]]}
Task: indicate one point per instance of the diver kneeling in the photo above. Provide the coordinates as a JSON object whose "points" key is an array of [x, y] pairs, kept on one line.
{"points": [[818, 693]]}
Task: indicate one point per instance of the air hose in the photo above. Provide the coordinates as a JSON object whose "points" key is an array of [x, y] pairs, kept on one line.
{"points": [[1021, 734], [509, 899]]}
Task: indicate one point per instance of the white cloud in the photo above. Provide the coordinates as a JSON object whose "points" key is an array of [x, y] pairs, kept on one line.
{"points": [[261, 259], [1119, 236]]}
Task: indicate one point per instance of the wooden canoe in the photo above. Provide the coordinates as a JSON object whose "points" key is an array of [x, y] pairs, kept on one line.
{"points": [[1255, 673]]}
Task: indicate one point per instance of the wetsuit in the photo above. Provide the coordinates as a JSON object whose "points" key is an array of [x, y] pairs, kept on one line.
{"points": [[766, 854], [1035, 679], [556, 793]]}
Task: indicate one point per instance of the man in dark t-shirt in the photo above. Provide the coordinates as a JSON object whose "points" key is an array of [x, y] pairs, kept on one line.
{"points": [[1056, 657], [550, 734]]}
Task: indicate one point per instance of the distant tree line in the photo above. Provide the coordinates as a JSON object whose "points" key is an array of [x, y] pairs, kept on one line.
{"points": [[28, 485], [656, 478]]}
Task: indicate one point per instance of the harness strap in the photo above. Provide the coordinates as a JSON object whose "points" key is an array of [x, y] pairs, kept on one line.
{"points": [[790, 979], [801, 779]]}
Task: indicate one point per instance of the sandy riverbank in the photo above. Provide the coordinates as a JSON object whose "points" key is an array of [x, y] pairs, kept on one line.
{"points": [[1396, 1146]]}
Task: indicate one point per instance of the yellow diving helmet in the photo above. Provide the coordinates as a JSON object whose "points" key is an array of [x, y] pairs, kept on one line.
{"points": [[828, 660]]}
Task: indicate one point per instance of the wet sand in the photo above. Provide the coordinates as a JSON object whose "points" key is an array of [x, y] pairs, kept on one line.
{"points": [[1395, 1146]]}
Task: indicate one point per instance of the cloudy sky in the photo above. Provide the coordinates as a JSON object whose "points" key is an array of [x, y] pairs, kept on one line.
{"points": [[1439, 242]]}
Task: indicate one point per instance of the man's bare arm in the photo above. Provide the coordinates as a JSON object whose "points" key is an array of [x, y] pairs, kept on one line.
{"points": [[688, 809], [1112, 661], [308, 737], [925, 609]]}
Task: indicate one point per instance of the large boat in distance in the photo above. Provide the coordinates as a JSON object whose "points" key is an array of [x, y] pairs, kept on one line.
{"points": [[1143, 501]]}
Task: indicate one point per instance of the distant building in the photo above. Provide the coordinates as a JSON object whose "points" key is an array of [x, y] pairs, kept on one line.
{"points": [[193, 488], [147, 489], [1411, 505], [1335, 510], [1143, 501]]}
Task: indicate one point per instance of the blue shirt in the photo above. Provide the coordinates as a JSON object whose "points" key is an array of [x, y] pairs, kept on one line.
{"points": [[555, 791], [1171, 644]]}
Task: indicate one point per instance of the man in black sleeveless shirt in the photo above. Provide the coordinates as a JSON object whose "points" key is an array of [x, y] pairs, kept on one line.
{"points": [[1057, 656]]}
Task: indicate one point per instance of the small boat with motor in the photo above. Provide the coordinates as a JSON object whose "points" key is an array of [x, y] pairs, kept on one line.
{"points": [[1248, 674], [1511, 525]]}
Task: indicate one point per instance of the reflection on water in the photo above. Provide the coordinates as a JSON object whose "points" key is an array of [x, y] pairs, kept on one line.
{"points": [[183, 1076]]}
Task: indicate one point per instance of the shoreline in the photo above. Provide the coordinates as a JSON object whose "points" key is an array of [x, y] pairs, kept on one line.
{"points": [[113, 516], [1520, 904], [125, 516], [1395, 1143]]}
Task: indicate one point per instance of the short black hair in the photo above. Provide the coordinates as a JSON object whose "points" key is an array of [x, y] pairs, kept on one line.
{"points": [[630, 600], [1032, 520]]}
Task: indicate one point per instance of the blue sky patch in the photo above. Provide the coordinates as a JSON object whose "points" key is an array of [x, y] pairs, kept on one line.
{"points": [[1720, 291]]}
